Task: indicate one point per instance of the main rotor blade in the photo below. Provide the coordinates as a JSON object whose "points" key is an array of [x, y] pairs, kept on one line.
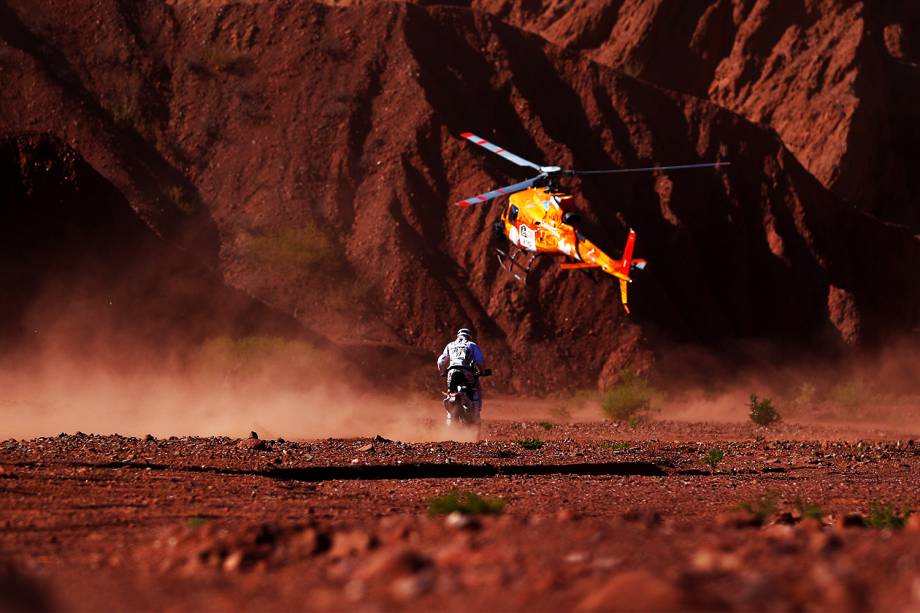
{"points": [[499, 151], [646, 169], [502, 191]]}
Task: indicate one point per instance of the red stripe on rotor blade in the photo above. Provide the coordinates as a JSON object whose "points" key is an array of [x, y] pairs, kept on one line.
{"points": [[480, 142], [481, 198], [466, 134], [499, 150], [463, 203]]}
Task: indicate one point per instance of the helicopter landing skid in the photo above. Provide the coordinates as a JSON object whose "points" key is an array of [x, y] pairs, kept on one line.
{"points": [[510, 263]]}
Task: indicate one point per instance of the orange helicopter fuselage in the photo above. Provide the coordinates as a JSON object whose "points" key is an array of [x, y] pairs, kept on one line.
{"points": [[532, 220]]}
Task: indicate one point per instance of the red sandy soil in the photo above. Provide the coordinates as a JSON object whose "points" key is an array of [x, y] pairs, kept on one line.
{"points": [[330, 134], [102, 522]]}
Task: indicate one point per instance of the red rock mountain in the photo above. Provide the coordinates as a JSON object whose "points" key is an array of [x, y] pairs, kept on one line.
{"points": [[308, 154]]}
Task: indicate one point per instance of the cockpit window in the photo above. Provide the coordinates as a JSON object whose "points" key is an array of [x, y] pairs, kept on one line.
{"points": [[512, 213]]}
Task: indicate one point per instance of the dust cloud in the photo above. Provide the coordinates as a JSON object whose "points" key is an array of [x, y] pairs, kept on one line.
{"points": [[226, 387], [878, 387], [82, 376], [73, 399]]}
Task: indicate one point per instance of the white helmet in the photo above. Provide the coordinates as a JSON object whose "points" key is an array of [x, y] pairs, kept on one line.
{"points": [[465, 333]]}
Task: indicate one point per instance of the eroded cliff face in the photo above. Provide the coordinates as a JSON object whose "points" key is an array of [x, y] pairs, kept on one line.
{"points": [[308, 153], [83, 275], [838, 81]]}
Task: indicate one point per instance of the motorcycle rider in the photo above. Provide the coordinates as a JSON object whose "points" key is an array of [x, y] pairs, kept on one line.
{"points": [[461, 361]]}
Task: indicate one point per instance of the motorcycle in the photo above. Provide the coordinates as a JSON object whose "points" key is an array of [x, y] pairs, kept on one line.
{"points": [[458, 400]]}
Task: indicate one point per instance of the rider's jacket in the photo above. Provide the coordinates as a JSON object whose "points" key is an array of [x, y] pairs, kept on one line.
{"points": [[461, 353]]}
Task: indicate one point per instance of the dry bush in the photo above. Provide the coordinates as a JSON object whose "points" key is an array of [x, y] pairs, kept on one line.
{"points": [[884, 516], [713, 457], [308, 257], [254, 358], [530, 443], [808, 510], [763, 413], [852, 394], [761, 508], [293, 251], [628, 398]]}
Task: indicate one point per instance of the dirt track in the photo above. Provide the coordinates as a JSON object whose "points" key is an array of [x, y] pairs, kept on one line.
{"points": [[96, 522]]}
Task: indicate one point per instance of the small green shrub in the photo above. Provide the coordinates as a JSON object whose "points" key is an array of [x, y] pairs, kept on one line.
{"points": [[762, 508], [884, 516], [617, 446], [851, 394], [808, 510], [249, 358], [293, 251], [805, 395], [629, 397], [467, 503], [197, 521], [762, 411], [633, 423], [713, 457], [545, 425], [530, 443], [308, 255]]}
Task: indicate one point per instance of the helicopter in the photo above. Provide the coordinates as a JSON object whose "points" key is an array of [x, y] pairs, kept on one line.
{"points": [[538, 219]]}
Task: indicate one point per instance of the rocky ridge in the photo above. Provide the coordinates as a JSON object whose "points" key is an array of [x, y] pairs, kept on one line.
{"points": [[309, 154]]}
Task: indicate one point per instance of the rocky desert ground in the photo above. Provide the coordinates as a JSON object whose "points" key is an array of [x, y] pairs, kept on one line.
{"points": [[222, 217], [600, 517]]}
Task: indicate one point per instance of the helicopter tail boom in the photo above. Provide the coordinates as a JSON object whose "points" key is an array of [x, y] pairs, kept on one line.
{"points": [[590, 256]]}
